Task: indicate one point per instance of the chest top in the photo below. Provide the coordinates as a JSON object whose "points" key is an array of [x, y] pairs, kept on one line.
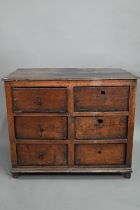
{"points": [[69, 74]]}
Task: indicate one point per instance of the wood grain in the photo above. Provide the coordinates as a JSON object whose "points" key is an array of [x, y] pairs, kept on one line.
{"points": [[112, 127], [39, 99], [42, 154], [132, 105], [94, 99], [99, 154], [62, 169], [10, 117], [69, 74], [72, 83], [41, 127]]}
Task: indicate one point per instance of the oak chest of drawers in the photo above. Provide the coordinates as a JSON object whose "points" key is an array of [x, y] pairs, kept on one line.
{"points": [[71, 120]]}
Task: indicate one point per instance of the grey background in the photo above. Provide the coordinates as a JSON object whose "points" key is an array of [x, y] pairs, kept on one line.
{"points": [[68, 33]]}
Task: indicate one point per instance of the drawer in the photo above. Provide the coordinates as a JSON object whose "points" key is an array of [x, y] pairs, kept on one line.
{"points": [[91, 99], [28, 154], [100, 154], [41, 127], [39, 99], [107, 127]]}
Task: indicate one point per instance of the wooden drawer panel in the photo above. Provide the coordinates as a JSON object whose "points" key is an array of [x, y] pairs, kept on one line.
{"points": [[107, 127], [40, 99], [42, 154], [100, 154], [91, 99], [41, 127]]}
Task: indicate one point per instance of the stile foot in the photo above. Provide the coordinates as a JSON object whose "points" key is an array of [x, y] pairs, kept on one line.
{"points": [[127, 175], [15, 175]]}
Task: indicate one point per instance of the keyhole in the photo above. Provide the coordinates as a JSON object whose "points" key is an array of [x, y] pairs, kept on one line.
{"points": [[99, 152], [102, 92], [41, 129], [100, 121]]}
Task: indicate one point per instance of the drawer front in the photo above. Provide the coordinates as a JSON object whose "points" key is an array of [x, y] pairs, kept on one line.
{"points": [[107, 127], [42, 154], [41, 127], [91, 99], [100, 154], [40, 99]]}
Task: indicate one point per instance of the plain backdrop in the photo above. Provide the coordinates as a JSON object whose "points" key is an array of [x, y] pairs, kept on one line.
{"points": [[68, 33]]}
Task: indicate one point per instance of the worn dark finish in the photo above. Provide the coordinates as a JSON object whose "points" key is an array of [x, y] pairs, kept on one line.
{"points": [[69, 74], [71, 120]]}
